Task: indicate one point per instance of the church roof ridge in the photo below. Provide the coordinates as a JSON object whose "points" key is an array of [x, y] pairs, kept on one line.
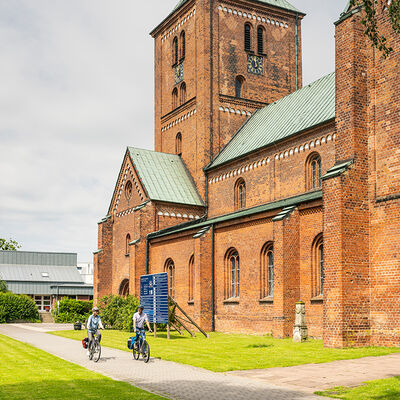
{"points": [[165, 177], [301, 110]]}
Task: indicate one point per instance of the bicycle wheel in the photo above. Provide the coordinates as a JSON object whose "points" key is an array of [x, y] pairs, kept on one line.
{"points": [[97, 352], [135, 351], [146, 352]]}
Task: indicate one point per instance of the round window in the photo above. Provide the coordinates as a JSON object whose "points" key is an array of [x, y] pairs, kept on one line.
{"points": [[128, 190]]}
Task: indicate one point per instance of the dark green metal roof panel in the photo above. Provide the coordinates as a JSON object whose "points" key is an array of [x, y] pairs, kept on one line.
{"points": [[278, 3], [285, 203], [301, 110], [165, 177]]}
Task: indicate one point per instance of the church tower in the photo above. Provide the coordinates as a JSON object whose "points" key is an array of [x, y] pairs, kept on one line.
{"points": [[216, 63]]}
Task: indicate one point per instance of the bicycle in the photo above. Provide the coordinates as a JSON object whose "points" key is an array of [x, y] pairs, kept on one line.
{"points": [[141, 346], [95, 348]]}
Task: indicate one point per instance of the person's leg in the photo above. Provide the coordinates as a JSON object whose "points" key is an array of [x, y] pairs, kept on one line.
{"points": [[90, 336]]}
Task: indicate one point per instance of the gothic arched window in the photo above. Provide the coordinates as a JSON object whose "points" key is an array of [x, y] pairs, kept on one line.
{"points": [[313, 172], [267, 270], [174, 98], [183, 93], [191, 278], [240, 194], [127, 241], [232, 289], [318, 274], [247, 37], [260, 40], [170, 270], [178, 144], [239, 86], [124, 288], [183, 45], [175, 51]]}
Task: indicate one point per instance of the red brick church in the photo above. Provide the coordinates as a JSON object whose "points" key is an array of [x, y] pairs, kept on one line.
{"points": [[261, 192]]}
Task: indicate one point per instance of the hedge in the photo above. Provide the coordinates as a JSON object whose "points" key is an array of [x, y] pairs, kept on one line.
{"points": [[15, 307], [71, 310], [117, 311]]}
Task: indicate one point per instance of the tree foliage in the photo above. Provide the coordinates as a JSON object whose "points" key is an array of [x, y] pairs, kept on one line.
{"points": [[10, 244], [71, 310], [3, 286], [370, 21], [14, 307]]}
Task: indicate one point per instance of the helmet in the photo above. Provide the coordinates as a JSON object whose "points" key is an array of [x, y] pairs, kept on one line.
{"points": [[141, 306], [95, 309]]}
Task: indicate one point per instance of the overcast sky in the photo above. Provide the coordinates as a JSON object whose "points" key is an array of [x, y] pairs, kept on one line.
{"points": [[76, 88]]}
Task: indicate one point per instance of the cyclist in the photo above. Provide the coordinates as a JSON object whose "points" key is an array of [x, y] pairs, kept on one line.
{"points": [[139, 318], [93, 324]]}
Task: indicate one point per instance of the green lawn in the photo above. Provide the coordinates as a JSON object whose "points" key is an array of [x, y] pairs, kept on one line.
{"points": [[27, 373], [382, 389], [228, 352]]}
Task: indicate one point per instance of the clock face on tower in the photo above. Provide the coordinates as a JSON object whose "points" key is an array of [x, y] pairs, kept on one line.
{"points": [[255, 65], [178, 73]]}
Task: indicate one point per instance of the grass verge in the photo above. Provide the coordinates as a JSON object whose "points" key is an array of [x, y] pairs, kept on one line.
{"points": [[27, 373], [229, 352], [381, 389]]}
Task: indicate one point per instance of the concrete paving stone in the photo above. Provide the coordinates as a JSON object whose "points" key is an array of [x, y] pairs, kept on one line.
{"points": [[173, 380]]}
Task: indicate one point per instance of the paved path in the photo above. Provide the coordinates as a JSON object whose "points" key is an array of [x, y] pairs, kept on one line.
{"points": [[312, 377], [175, 381]]}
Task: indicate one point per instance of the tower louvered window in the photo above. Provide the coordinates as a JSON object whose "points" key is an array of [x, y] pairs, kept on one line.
{"points": [[183, 45], [247, 37], [260, 40]]}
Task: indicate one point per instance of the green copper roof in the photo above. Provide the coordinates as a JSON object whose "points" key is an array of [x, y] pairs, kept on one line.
{"points": [[278, 3], [299, 111], [287, 205], [165, 177]]}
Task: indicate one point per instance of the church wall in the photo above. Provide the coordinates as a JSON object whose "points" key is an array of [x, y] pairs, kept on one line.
{"points": [[384, 188], [267, 178]]}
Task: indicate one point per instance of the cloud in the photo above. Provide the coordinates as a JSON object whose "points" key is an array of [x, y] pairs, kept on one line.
{"points": [[76, 89]]}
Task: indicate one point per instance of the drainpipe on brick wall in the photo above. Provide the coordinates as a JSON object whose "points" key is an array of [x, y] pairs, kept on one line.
{"points": [[147, 255], [211, 80], [297, 52], [212, 280]]}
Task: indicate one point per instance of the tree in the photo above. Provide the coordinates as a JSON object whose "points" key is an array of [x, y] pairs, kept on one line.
{"points": [[9, 245], [370, 20]]}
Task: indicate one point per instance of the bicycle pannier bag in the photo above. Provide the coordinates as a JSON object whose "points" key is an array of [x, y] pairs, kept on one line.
{"points": [[85, 342]]}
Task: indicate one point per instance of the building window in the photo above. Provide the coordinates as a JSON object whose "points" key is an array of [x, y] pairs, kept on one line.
{"points": [[260, 40], [178, 144], [174, 98], [183, 93], [247, 37], [191, 278], [313, 171], [175, 51], [233, 274], [240, 194], [128, 190], [170, 270], [124, 288], [183, 45], [267, 271], [318, 274], [127, 241], [239, 85]]}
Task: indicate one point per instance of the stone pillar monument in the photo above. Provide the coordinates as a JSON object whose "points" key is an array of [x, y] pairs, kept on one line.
{"points": [[300, 332]]}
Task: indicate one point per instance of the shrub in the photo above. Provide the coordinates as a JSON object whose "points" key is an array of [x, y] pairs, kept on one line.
{"points": [[71, 310], [117, 312], [17, 307]]}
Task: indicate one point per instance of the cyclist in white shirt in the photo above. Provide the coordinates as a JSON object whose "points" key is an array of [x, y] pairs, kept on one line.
{"points": [[139, 318]]}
